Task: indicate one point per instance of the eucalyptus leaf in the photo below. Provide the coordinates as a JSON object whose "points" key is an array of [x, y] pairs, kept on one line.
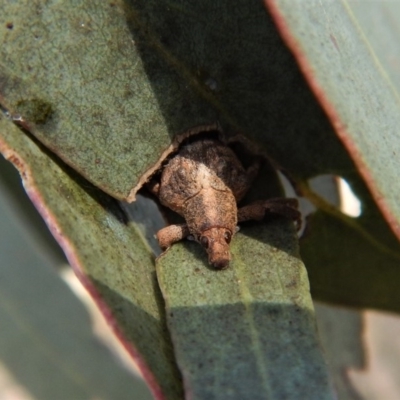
{"points": [[106, 251], [362, 273], [247, 332], [107, 85], [46, 341], [347, 58], [187, 66], [345, 50], [73, 72]]}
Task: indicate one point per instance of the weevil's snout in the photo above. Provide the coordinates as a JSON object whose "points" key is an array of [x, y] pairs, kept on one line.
{"points": [[221, 263], [219, 255], [216, 242]]}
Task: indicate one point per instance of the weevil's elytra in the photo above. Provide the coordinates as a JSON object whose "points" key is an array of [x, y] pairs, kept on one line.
{"points": [[203, 182]]}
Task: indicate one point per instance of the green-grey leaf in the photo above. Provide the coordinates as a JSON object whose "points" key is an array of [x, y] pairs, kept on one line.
{"points": [[74, 73], [46, 339], [247, 332], [107, 252], [136, 73], [179, 54], [341, 48], [346, 50], [362, 272], [106, 86]]}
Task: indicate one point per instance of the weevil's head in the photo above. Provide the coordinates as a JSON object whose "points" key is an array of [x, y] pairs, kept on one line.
{"points": [[216, 242]]}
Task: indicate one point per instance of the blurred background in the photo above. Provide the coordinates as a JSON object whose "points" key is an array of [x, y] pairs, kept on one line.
{"points": [[54, 343]]}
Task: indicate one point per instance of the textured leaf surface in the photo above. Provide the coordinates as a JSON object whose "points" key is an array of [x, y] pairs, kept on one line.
{"points": [[136, 73], [348, 58], [247, 332], [190, 64], [73, 72], [345, 51], [46, 341], [106, 86], [107, 253]]}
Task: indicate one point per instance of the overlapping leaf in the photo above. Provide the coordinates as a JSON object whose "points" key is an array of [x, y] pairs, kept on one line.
{"points": [[345, 51], [106, 86], [133, 74], [107, 252], [247, 332], [347, 57], [47, 343]]}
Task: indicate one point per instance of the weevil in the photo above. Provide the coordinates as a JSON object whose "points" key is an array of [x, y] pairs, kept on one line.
{"points": [[203, 182]]}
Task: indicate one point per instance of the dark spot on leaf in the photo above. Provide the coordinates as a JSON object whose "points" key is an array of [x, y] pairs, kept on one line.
{"points": [[9, 25], [292, 284], [34, 110], [128, 93], [273, 312]]}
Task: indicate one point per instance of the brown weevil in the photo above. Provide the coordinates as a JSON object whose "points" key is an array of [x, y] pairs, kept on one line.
{"points": [[203, 182]]}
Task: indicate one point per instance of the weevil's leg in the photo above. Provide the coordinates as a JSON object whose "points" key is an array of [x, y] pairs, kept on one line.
{"points": [[153, 186], [258, 209], [170, 234], [280, 206]]}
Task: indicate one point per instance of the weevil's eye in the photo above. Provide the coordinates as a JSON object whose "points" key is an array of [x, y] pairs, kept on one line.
{"points": [[227, 236], [204, 241]]}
